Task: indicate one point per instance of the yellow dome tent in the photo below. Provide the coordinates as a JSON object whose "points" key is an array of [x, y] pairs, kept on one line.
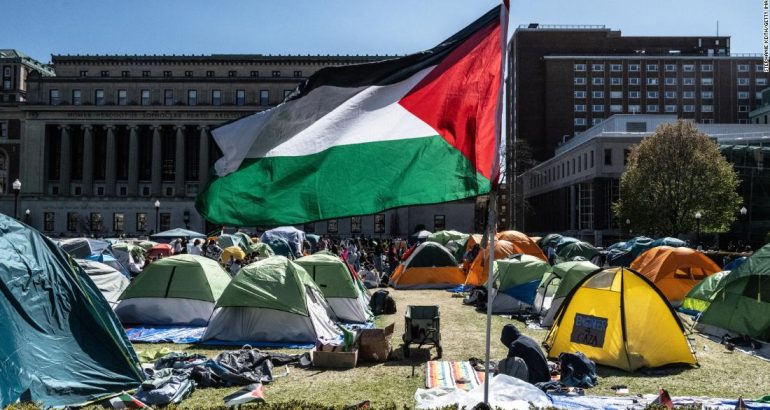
{"points": [[618, 318], [233, 252]]}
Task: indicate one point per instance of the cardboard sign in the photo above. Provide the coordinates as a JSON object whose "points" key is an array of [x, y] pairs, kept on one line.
{"points": [[589, 330]]}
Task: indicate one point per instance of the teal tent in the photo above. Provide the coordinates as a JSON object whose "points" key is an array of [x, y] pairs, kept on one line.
{"points": [[572, 250], [60, 343]]}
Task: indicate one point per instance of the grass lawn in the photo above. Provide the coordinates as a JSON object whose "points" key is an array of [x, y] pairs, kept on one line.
{"points": [[721, 373]]}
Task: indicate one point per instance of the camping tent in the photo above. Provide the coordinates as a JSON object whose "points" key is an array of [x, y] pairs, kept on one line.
{"points": [[668, 241], [232, 252], [521, 243], [516, 281], [273, 300], [479, 272], [109, 260], [160, 250], [61, 343], [110, 282], [293, 237], [263, 250], [557, 285], [226, 240], [674, 270], [616, 317], [167, 236], [443, 237], [742, 305], [420, 236], [84, 247], [429, 266], [572, 250], [346, 299], [146, 245], [179, 290], [550, 240], [128, 253], [280, 247], [699, 297]]}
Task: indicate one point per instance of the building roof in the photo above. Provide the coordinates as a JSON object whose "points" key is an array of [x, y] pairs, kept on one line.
{"points": [[59, 59], [19, 57]]}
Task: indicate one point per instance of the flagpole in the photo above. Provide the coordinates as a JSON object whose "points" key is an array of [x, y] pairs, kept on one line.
{"points": [[491, 223]]}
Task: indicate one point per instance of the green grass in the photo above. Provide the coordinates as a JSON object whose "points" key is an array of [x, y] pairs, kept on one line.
{"points": [[721, 374]]}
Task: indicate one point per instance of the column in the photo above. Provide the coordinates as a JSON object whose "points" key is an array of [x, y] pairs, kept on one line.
{"points": [[110, 177], [203, 162], [65, 167], [133, 161], [179, 168], [88, 161], [155, 189]]}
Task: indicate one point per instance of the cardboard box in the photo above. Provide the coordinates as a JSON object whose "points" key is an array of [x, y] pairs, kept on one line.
{"points": [[374, 344], [341, 360]]}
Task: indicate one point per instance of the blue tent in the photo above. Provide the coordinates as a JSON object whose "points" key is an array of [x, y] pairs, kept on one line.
{"points": [[60, 342], [82, 248], [293, 236], [111, 261], [735, 263]]}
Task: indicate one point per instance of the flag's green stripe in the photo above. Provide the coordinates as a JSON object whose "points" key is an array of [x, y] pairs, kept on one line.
{"points": [[345, 180]]}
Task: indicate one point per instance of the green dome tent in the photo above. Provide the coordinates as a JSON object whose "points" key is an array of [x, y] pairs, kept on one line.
{"points": [[572, 250], [345, 298], [557, 285], [263, 250], [699, 297], [273, 300], [443, 237], [179, 290], [60, 343], [516, 280]]}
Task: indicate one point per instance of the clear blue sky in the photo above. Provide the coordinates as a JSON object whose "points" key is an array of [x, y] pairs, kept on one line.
{"points": [[42, 28]]}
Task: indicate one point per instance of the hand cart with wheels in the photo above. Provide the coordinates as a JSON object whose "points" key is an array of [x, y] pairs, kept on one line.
{"points": [[422, 328]]}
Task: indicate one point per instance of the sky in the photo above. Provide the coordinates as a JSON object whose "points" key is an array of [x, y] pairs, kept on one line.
{"points": [[40, 28]]}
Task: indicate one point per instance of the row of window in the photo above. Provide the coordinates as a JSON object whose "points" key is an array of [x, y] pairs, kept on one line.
{"points": [[744, 95], [121, 97], [575, 165], [95, 221], [650, 108], [332, 225], [671, 68], [667, 81], [189, 73]]}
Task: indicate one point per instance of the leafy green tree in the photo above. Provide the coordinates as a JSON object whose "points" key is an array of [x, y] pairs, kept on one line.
{"points": [[673, 174]]}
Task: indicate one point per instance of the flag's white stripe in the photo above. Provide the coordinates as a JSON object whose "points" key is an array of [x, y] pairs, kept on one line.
{"points": [[326, 117]]}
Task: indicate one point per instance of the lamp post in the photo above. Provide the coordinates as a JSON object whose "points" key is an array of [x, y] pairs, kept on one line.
{"points": [[746, 233], [698, 216], [628, 227], [157, 216], [16, 189], [27, 216]]}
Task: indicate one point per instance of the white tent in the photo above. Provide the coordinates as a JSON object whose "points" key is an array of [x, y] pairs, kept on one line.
{"points": [[109, 281]]}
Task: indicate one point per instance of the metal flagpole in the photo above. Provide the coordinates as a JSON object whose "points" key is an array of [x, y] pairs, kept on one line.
{"points": [[491, 223]]}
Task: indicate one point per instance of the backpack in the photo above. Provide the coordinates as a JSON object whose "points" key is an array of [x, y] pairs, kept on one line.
{"points": [[382, 303], [514, 367], [577, 370]]}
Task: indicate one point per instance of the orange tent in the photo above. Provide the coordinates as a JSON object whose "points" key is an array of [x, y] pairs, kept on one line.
{"points": [[430, 266], [477, 275], [523, 243], [674, 270]]}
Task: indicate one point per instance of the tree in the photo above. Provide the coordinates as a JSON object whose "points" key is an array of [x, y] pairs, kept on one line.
{"points": [[673, 174]]}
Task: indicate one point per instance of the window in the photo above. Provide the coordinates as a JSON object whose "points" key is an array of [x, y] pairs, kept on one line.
{"points": [[616, 81], [105, 73], [99, 97], [743, 95], [145, 97], [355, 224], [707, 94], [146, 73], [670, 94], [580, 81], [596, 120], [671, 68], [254, 73], [188, 73], [743, 108], [633, 81], [77, 97], [209, 73], [607, 156], [743, 68], [707, 108], [597, 67], [118, 222], [688, 81], [580, 121], [707, 81], [168, 97], [95, 222], [379, 223], [688, 94], [192, 97], [240, 97], [652, 67], [743, 81], [580, 108], [331, 226], [122, 97], [670, 108], [759, 68], [165, 221], [49, 221], [760, 81], [597, 81], [141, 222], [167, 73], [688, 68], [616, 108], [232, 73], [688, 108], [706, 68], [580, 94], [3, 134], [264, 97], [72, 221], [297, 73], [652, 94], [616, 94], [592, 158], [84, 73], [54, 98], [216, 97], [652, 81], [125, 74], [616, 67], [634, 94], [597, 108], [634, 108], [652, 108], [670, 80], [633, 67], [276, 73], [580, 67], [597, 94], [6, 83]]}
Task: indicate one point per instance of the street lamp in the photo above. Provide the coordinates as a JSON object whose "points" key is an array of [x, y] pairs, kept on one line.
{"points": [[698, 216], [745, 212], [16, 189], [27, 216], [157, 216]]}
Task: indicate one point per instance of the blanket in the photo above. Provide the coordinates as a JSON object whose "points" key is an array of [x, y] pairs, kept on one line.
{"points": [[450, 375]]}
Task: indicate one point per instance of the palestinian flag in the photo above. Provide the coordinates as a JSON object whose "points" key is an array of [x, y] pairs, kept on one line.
{"points": [[248, 394], [127, 401], [359, 139]]}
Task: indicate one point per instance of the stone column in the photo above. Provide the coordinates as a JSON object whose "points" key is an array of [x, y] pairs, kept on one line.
{"points": [[203, 162], [88, 161], [65, 166], [179, 168], [157, 158], [110, 175], [133, 161]]}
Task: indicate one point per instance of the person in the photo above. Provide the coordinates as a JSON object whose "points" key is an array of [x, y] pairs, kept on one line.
{"points": [[196, 248], [177, 246], [235, 267], [369, 276], [529, 351]]}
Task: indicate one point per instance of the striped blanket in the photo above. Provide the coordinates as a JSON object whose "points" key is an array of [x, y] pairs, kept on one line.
{"points": [[452, 375]]}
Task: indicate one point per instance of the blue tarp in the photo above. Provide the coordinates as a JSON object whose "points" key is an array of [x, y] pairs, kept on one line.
{"points": [[293, 237], [735, 263], [524, 292]]}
